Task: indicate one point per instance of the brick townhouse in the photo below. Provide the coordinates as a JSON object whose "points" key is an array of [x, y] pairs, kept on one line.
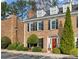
{"points": [[46, 27]]}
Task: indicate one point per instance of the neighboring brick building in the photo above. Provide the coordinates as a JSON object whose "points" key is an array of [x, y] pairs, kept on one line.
{"points": [[13, 28]]}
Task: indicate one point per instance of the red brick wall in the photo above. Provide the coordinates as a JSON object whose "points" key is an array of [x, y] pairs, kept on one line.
{"points": [[8, 28]]}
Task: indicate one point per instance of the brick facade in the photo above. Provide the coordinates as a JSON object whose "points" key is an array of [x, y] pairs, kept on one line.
{"points": [[46, 33], [17, 30], [12, 29]]}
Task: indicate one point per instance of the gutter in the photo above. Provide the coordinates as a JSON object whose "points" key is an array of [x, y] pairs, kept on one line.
{"points": [[47, 17]]}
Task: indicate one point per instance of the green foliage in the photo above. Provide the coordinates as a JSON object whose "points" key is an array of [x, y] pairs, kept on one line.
{"points": [[5, 41], [74, 52], [56, 51], [54, 3], [36, 49], [13, 46], [67, 39], [16, 8], [4, 9], [21, 47], [33, 39]]}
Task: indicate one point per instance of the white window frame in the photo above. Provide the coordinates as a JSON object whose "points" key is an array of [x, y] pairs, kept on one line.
{"points": [[51, 20], [38, 25], [30, 26]]}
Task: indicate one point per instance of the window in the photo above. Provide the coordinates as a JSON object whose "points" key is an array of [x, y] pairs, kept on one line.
{"points": [[40, 43], [53, 24], [34, 26], [40, 25]]}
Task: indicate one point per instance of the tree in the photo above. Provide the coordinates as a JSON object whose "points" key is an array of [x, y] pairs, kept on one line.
{"points": [[18, 8], [4, 9], [33, 5], [67, 39], [54, 2], [33, 39]]}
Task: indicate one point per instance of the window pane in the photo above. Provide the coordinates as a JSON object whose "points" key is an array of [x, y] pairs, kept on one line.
{"points": [[40, 25], [53, 24]]}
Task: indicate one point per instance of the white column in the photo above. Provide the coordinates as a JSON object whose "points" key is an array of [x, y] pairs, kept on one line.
{"points": [[75, 40], [51, 43], [25, 35]]}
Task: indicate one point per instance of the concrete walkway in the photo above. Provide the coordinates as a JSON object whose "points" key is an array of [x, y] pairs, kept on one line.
{"points": [[38, 53]]}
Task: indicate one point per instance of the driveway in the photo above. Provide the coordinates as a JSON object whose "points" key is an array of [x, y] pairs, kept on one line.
{"points": [[6, 55]]}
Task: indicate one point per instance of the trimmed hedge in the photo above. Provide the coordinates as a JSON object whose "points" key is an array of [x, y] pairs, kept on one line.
{"points": [[56, 51], [74, 52], [21, 48], [13, 46], [5, 41], [33, 39], [36, 49]]}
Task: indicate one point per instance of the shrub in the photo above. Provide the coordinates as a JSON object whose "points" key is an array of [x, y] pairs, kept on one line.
{"points": [[5, 41], [13, 46], [74, 52], [67, 39], [33, 39], [56, 51], [21, 47], [36, 49]]}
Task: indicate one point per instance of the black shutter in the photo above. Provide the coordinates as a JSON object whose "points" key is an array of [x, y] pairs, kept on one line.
{"points": [[28, 27], [42, 25], [36, 26], [49, 25], [56, 23], [77, 22]]}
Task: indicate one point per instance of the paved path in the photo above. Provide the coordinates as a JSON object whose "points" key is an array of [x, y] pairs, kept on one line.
{"points": [[9, 54]]}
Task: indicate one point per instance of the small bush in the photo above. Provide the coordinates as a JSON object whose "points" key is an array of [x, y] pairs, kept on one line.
{"points": [[5, 41], [74, 52], [56, 51], [36, 49], [33, 39], [21, 48], [13, 46]]}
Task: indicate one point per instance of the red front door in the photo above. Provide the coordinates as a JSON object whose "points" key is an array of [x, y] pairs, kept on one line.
{"points": [[53, 42]]}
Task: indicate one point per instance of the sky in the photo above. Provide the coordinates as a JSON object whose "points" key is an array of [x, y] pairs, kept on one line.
{"points": [[8, 1]]}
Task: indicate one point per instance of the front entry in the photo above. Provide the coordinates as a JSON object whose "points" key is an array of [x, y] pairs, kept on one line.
{"points": [[53, 42]]}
